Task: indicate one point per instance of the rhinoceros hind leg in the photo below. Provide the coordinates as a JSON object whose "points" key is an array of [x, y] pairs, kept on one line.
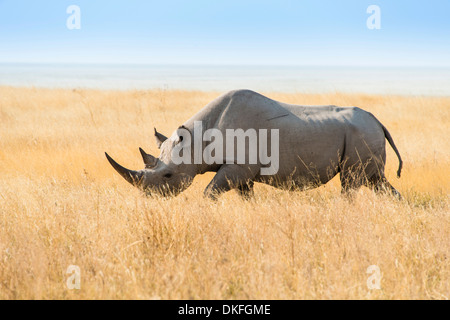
{"points": [[380, 185], [350, 182]]}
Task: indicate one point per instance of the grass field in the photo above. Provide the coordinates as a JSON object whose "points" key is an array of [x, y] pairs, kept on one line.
{"points": [[62, 204]]}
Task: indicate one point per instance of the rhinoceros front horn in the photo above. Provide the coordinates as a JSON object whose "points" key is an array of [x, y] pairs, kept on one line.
{"points": [[132, 176]]}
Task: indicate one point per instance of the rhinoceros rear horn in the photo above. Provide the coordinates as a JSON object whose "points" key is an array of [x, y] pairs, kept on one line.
{"points": [[132, 176], [149, 160]]}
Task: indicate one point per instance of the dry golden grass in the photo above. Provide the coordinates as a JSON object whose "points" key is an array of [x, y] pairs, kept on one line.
{"points": [[62, 204]]}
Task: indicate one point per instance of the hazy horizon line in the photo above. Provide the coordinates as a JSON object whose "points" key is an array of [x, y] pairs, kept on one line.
{"points": [[225, 64]]}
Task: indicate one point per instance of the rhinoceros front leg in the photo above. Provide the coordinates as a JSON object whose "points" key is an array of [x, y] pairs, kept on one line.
{"points": [[232, 176], [246, 190]]}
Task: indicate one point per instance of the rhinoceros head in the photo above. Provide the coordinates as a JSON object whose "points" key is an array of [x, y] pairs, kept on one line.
{"points": [[161, 175]]}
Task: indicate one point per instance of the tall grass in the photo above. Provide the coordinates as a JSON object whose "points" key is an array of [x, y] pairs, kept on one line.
{"points": [[62, 204]]}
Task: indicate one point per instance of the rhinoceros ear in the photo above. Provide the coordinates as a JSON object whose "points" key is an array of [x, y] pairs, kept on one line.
{"points": [[182, 131], [160, 138], [149, 160]]}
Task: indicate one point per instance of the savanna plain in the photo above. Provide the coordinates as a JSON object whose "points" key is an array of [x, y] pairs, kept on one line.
{"points": [[62, 204]]}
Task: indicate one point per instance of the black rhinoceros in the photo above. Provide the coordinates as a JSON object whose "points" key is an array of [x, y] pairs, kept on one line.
{"points": [[233, 134]]}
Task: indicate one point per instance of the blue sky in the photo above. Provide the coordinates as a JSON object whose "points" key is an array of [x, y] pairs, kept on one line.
{"points": [[302, 32]]}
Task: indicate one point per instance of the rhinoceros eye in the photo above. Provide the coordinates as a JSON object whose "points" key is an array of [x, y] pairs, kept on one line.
{"points": [[168, 175]]}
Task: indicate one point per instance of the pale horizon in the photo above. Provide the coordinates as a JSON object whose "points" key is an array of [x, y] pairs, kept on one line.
{"points": [[236, 64], [307, 79]]}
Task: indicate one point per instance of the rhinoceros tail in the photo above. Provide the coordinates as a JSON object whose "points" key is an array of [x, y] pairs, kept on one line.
{"points": [[391, 142]]}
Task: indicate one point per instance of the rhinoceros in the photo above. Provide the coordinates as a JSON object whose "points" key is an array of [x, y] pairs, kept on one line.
{"points": [[313, 144]]}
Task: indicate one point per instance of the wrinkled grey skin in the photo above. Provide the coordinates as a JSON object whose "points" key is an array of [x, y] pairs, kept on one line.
{"points": [[316, 143]]}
